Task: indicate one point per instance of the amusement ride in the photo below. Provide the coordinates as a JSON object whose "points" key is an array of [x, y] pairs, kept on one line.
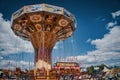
{"points": [[44, 25]]}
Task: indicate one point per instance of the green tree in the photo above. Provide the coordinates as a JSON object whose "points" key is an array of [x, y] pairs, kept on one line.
{"points": [[90, 70]]}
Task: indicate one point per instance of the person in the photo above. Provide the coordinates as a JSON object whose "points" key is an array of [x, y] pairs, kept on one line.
{"points": [[62, 77], [72, 77], [116, 77], [80, 77], [58, 75], [110, 77], [66, 78], [1, 75]]}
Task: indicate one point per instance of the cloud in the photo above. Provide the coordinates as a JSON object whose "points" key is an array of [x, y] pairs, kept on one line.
{"points": [[89, 40], [58, 45], [1, 57], [6, 64], [116, 14], [103, 19], [9, 42], [110, 41], [111, 25], [107, 48]]}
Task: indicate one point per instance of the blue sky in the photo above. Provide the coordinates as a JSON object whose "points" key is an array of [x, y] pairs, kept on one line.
{"points": [[96, 39]]}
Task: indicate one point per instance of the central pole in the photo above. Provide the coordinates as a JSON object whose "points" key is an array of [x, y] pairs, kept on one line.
{"points": [[43, 45]]}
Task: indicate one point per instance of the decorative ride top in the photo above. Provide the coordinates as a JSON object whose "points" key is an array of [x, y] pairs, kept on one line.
{"points": [[43, 17]]}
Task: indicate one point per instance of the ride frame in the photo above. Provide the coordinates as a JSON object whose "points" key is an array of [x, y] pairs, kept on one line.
{"points": [[43, 25]]}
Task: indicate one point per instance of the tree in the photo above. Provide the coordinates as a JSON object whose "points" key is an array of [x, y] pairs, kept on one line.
{"points": [[117, 70], [90, 70]]}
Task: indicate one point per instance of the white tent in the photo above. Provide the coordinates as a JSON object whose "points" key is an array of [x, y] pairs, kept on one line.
{"points": [[105, 69]]}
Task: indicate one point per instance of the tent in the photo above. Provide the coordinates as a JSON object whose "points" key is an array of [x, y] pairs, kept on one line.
{"points": [[105, 69]]}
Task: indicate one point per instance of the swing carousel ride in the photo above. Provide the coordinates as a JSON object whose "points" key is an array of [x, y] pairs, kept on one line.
{"points": [[43, 25]]}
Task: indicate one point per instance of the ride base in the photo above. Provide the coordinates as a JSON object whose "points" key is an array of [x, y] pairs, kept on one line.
{"points": [[46, 75]]}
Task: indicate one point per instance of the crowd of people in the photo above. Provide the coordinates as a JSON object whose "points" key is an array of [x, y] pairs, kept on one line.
{"points": [[59, 75]]}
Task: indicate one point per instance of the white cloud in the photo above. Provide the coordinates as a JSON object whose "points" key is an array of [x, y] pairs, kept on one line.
{"points": [[107, 48], [6, 64], [58, 45], [86, 58], [9, 42], [111, 24], [89, 40], [1, 58], [116, 14], [110, 41]]}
